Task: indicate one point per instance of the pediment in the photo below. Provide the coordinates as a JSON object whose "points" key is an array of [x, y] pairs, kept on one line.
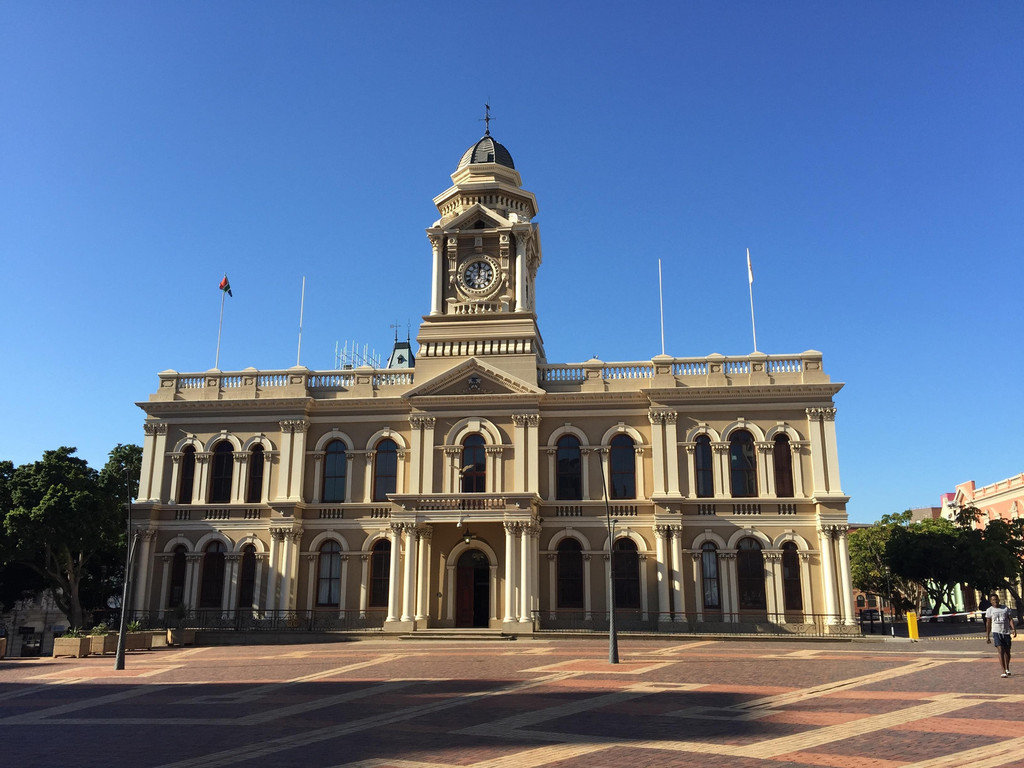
{"points": [[473, 378], [477, 213]]}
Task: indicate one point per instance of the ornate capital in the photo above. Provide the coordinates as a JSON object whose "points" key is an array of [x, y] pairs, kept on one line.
{"points": [[656, 417], [232, 557], [821, 414], [765, 446], [720, 447], [663, 530], [278, 534], [151, 428], [294, 425]]}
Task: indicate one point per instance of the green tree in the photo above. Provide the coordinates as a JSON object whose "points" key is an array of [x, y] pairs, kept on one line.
{"points": [[66, 521], [871, 570], [997, 552], [935, 555]]}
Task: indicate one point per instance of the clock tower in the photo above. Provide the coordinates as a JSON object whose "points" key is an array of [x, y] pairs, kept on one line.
{"points": [[486, 251]]}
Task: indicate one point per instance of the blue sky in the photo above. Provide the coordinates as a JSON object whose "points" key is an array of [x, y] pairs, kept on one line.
{"points": [[869, 154]]}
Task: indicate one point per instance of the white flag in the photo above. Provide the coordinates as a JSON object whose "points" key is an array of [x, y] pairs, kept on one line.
{"points": [[750, 272]]}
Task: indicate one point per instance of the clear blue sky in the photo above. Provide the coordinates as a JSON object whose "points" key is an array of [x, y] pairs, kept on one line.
{"points": [[869, 154]]}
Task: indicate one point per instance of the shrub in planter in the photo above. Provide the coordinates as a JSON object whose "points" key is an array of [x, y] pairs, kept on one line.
{"points": [[71, 643], [101, 640], [137, 640]]}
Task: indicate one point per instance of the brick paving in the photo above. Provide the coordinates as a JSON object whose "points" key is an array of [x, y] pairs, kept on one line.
{"points": [[382, 703]]}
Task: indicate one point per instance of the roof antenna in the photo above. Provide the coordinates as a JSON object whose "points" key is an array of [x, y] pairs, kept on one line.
{"points": [[396, 326], [487, 119]]}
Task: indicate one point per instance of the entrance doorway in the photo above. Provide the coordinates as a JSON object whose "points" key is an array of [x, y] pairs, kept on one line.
{"points": [[472, 590]]}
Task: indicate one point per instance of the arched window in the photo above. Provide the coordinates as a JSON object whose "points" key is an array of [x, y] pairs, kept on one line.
{"points": [[709, 576], [861, 602], [328, 588], [570, 574], [623, 467], [179, 564], [220, 476], [188, 475], [211, 594], [474, 465], [385, 469], [750, 575], [702, 467], [380, 573], [247, 578], [568, 470], [627, 574], [792, 595], [335, 471], [742, 464], [254, 491], [783, 460]]}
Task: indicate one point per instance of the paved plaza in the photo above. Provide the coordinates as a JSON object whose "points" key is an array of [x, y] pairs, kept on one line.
{"points": [[520, 704]]}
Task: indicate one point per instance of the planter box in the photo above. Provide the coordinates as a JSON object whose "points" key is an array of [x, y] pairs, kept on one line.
{"points": [[71, 646], [100, 644], [181, 637], [139, 641]]}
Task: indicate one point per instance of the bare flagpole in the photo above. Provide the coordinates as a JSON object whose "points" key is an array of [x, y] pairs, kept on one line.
{"points": [[661, 302], [302, 306], [750, 280]]}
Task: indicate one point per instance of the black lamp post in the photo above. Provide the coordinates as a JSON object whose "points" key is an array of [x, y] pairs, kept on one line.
{"points": [[613, 638], [122, 631]]}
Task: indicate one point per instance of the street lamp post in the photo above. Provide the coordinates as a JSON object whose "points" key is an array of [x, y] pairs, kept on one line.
{"points": [[613, 638], [122, 631]]}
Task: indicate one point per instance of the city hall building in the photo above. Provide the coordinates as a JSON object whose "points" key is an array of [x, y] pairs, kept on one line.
{"points": [[473, 483]]}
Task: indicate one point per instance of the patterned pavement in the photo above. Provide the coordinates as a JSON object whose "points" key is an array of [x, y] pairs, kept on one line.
{"points": [[554, 703]]}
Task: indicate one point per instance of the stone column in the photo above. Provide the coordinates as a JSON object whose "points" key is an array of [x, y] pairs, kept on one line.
{"points": [[364, 584], [729, 585], [276, 540], [773, 586], [289, 568], [409, 574], [154, 446], [532, 453], [698, 597], [529, 531], [350, 460], [805, 585], [828, 574], [510, 570], [495, 473], [662, 542], [312, 585], [452, 476], [343, 587], [293, 454], [691, 469], [678, 590], [520, 447], [657, 420], [766, 469], [427, 479], [845, 582], [238, 477], [552, 454], [423, 573], [257, 583], [720, 463], [641, 491], [229, 600], [415, 452], [144, 561], [165, 582], [672, 452], [395, 536], [201, 481], [318, 477], [588, 595], [521, 269], [797, 449], [369, 457], [828, 424], [643, 588], [192, 560], [436, 274], [585, 466], [552, 584], [818, 458]]}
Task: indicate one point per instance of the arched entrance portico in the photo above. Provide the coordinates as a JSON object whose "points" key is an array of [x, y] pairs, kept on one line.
{"points": [[472, 590]]}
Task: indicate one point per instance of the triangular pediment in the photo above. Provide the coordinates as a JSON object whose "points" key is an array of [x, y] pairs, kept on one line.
{"points": [[473, 378], [477, 213]]}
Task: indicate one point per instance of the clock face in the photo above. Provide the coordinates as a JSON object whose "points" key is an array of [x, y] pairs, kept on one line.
{"points": [[478, 275]]}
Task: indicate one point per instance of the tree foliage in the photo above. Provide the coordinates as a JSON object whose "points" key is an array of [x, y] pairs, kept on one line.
{"points": [[66, 522]]}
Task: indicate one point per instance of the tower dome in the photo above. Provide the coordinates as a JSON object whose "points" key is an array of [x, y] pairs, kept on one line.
{"points": [[487, 150]]}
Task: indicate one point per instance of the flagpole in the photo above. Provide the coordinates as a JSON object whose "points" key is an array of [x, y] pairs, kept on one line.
{"points": [[302, 305], [220, 325], [750, 280], [661, 303]]}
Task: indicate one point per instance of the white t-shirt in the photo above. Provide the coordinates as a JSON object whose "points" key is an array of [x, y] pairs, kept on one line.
{"points": [[1000, 618]]}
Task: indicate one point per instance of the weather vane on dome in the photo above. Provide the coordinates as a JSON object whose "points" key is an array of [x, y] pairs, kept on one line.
{"points": [[487, 119]]}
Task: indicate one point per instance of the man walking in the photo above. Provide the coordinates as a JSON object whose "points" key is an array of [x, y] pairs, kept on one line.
{"points": [[998, 626]]}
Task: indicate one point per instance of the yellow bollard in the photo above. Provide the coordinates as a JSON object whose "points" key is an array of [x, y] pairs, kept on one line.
{"points": [[912, 625]]}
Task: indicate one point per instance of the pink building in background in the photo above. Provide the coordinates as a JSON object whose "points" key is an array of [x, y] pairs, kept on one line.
{"points": [[1003, 499]]}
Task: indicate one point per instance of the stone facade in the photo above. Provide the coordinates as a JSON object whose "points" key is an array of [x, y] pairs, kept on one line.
{"points": [[480, 487]]}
